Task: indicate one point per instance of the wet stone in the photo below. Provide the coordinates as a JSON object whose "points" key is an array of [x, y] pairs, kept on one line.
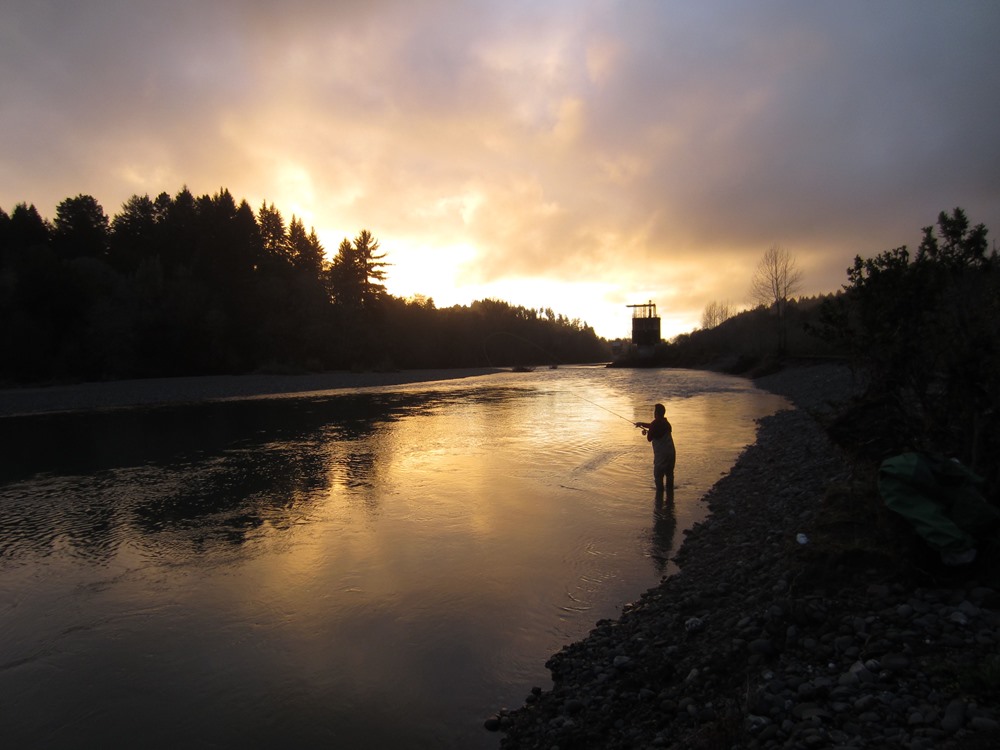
{"points": [[895, 662], [983, 724], [762, 647]]}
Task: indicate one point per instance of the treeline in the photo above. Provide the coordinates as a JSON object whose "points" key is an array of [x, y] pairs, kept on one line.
{"points": [[748, 342], [185, 285]]}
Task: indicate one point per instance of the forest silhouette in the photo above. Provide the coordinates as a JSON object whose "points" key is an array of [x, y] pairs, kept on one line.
{"points": [[184, 285]]}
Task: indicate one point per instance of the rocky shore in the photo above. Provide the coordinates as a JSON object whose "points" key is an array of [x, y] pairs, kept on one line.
{"points": [[803, 616]]}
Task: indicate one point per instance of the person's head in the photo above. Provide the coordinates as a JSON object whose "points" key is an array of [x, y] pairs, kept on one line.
{"points": [[659, 410]]}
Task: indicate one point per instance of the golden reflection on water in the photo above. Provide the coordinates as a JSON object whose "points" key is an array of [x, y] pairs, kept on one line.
{"points": [[394, 564]]}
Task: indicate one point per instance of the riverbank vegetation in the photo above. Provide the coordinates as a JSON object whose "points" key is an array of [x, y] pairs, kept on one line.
{"points": [[926, 331], [923, 330], [186, 285]]}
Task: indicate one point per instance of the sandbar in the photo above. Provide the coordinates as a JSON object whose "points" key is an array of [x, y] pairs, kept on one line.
{"points": [[164, 391]]}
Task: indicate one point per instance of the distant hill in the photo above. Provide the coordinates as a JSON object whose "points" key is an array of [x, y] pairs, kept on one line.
{"points": [[747, 342]]}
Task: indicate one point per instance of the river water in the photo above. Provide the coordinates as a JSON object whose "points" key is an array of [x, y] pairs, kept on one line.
{"points": [[379, 568]]}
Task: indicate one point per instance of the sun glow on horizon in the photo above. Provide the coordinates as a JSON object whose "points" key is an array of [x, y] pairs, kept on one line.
{"points": [[447, 275], [598, 304]]}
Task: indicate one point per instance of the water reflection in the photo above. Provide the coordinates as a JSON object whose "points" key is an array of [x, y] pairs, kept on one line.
{"points": [[382, 568], [664, 528], [224, 469]]}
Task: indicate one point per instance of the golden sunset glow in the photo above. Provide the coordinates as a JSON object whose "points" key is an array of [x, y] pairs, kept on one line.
{"points": [[573, 156]]}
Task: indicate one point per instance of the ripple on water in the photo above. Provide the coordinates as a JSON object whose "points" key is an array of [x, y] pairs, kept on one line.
{"points": [[60, 516]]}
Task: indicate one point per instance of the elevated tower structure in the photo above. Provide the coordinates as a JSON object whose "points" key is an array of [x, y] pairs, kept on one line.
{"points": [[645, 328]]}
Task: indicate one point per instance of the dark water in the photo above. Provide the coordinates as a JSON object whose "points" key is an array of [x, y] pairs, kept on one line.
{"points": [[379, 568]]}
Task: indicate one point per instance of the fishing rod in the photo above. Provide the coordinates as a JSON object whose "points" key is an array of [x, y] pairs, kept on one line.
{"points": [[593, 403]]}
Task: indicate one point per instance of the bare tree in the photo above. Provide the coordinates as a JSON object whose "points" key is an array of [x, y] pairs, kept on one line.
{"points": [[716, 313], [775, 280]]}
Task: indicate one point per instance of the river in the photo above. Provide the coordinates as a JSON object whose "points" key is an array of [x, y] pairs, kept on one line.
{"points": [[379, 568]]}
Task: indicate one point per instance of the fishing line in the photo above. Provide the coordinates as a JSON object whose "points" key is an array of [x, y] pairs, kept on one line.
{"points": [[631, 422]]}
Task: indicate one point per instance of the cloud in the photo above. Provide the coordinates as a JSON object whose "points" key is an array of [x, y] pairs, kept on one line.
{"points": [[650, 148]]}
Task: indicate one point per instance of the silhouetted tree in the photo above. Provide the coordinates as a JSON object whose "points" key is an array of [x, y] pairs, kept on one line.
{"points": [[247, 237], [180, 226], [80, 229], [226, 237], [774, 282], [960, 246], [344, 277], [716, 313], [27, 228], [273, 234], [306, 250], [357, 272], [133, 232], [371, 264], [5, 231]]}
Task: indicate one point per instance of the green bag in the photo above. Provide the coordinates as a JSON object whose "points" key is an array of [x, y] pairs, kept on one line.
{"points": [[940, 498]]}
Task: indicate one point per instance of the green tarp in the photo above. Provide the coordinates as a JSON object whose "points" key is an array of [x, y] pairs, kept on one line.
{"points": [[941, 499]]}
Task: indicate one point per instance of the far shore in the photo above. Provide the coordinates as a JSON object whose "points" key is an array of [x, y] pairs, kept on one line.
{"points": [[164, 391], [122, 394]]}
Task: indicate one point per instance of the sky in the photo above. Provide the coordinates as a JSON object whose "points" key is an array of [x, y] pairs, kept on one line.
{"points": [[574, 155]]}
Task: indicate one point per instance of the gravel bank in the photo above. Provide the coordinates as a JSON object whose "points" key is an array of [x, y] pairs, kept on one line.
{"points": [[157, 391], [769, 639]]}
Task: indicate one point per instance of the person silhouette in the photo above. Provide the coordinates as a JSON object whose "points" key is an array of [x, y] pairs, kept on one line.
{"points": [[660, 434]]}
